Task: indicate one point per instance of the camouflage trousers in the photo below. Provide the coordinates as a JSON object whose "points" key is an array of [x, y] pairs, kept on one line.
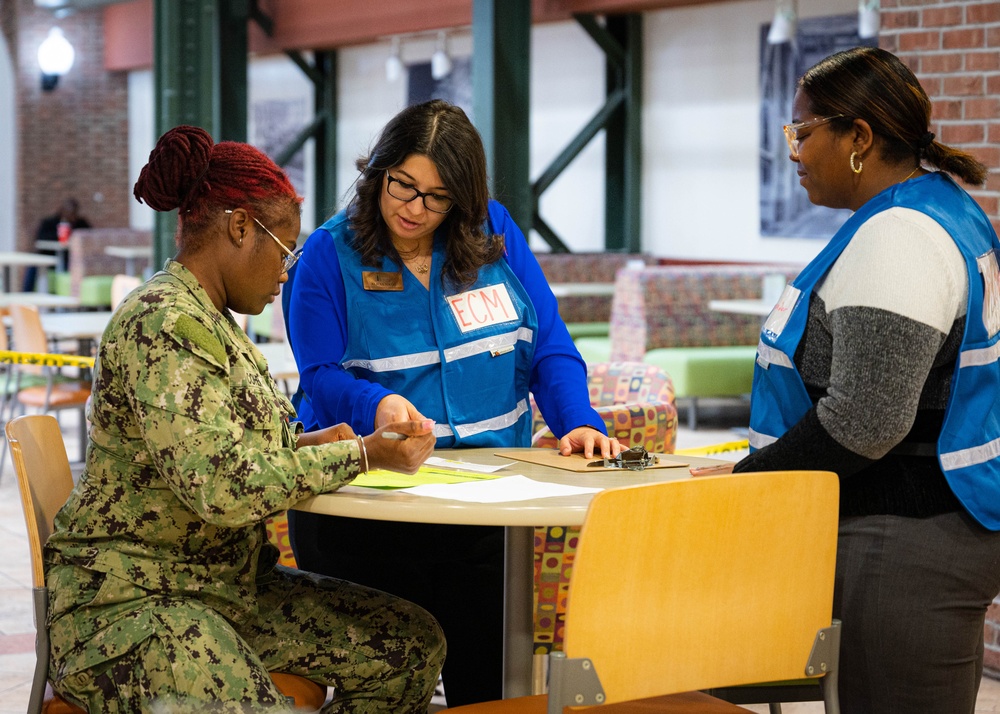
{"points": [[378, 652]]}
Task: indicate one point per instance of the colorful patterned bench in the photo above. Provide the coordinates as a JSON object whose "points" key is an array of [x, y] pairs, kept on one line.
{"points": [[586, 268]]}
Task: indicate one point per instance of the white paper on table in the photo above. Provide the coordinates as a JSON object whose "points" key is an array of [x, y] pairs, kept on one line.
{"points": [[465, 465], [507, 488]]}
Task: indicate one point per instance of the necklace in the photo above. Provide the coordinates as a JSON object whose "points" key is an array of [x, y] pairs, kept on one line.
{"points": [[408, 256], [911, 174]]}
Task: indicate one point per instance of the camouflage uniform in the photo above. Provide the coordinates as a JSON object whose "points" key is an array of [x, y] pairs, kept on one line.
{"points": [[163, 587]]}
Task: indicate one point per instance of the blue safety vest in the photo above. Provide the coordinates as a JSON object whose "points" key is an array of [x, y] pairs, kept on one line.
{"points": [[969, 444], [462, 357]]}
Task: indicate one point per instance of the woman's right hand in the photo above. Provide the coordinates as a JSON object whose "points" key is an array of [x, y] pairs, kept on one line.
{"points": [[403, 455], [395, 408]]}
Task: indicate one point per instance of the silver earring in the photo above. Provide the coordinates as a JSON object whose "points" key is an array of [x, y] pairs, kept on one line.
{"points": [[856, 169]]}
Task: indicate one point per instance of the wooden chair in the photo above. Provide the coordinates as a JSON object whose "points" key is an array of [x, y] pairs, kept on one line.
{"points": [[694, 584], [58, 391], [45, 482]]}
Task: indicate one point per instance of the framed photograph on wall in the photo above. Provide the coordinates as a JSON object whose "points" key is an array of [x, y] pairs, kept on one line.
{"points": [[785, 210]]}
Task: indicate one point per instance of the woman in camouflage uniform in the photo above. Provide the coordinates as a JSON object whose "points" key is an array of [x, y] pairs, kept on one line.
{"points": [[164, 591]]}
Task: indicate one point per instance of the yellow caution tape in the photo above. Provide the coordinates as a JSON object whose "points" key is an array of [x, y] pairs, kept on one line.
{"points": [[715, 448], [47, 360]]}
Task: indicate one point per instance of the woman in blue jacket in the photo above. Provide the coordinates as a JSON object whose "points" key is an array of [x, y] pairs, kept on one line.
{"points": [[423, 300], [880, 363]]}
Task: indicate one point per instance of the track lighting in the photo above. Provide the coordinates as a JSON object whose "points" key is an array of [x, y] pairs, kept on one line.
{"points": [[783, 25], [394, 63], [868, 18], [440, 61]]}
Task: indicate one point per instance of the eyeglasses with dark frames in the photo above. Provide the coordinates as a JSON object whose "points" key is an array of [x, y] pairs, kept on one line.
{"points": [[792, 131], [290, 258], [407, 192]]}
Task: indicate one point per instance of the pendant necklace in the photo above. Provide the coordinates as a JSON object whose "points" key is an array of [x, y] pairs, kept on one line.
{"points": [[422, 268]]}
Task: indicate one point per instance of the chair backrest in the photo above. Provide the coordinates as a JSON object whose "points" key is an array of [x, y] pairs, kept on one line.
{"points": [[705, 582], [27, 334], [122, 285], [627, 383], [43, 478], [636, 401]]}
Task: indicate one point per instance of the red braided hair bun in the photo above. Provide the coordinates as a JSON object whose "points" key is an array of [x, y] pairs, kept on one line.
{"points": [[187, 170]]}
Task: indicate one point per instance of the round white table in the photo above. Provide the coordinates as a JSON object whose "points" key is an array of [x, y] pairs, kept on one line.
{"points": [[518, 518]]}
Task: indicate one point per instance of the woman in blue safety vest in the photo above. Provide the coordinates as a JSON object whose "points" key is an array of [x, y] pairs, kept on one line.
{"points": [[423, 298], [880, 362]]}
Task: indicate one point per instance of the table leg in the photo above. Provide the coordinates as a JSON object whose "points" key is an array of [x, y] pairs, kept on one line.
{"points": [[6, 279], [518, 620]]}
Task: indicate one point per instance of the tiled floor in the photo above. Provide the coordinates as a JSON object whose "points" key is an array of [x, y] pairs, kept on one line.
{"points": [[17, 630]]}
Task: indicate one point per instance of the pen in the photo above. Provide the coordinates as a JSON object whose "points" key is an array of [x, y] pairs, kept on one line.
{"points": [[394, 435]]}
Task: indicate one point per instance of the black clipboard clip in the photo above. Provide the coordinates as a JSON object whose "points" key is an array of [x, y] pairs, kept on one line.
{"points": [[633, 459]]}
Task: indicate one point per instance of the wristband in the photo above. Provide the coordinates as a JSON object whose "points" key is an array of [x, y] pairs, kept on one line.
{"points": [[364, 450]]}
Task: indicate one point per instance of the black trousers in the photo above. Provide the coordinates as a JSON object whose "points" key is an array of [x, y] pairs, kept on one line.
{"points": [[454, 572]]}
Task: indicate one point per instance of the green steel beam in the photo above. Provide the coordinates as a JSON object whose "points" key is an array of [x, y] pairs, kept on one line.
{"points": [[322, 72], [233, 48], [579, 142], [501, 38], [620, 38], [200, 78], [325, 146], [623, 140], [185, 91]]}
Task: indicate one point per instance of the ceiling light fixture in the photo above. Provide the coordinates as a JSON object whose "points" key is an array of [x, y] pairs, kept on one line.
{"points": [[783, 25], [394, 63], [440, 61], [869, 19]]}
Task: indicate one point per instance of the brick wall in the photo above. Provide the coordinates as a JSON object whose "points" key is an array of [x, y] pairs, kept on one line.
{"points": [[954, 48], [74, 139]]}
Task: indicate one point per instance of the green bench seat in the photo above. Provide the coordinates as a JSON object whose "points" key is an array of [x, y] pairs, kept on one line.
{"points": [[723, 371]]}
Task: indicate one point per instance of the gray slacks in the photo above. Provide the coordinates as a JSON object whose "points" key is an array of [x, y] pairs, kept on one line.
{"points": [[912, 594]]}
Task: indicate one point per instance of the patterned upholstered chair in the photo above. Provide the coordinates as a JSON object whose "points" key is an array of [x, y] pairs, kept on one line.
{"points": [[636, 401], [277, 534]]}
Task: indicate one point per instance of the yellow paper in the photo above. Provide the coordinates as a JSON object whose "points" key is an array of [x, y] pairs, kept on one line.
{"points": [[381, 478]]}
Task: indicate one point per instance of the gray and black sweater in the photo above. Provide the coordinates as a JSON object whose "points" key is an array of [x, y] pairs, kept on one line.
{"points": [[884, 330]]}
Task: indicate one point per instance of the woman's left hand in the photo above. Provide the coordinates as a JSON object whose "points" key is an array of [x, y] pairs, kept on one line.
{"points": [[585, 439], [339, 432]]}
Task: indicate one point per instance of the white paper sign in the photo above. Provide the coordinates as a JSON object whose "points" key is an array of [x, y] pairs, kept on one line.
{"points": [[500, 490], [482, 307]]}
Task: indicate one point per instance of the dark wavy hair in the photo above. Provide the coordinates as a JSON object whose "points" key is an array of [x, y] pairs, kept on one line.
{"points": [[443, 133], [189, 171], [872, 84]]}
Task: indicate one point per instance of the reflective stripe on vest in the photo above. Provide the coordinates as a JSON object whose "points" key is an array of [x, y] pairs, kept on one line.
{"points": [[495, 344]]}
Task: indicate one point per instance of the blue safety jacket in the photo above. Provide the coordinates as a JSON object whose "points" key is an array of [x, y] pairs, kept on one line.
{"points": [[463, 358], [968, 447]]}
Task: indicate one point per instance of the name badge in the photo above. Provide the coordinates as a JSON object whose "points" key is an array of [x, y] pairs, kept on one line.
{"points": [[382, 282], [482, 307], [991, 292], [778, 318]]}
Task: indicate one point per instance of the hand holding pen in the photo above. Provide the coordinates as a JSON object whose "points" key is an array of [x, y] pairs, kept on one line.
{"points": [[401, 446]]}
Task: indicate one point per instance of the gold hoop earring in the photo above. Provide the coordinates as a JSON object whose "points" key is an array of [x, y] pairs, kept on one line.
{"points": [[860, 165]]}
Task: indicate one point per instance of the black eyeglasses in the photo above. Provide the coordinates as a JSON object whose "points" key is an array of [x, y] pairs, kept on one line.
{"points": [[406, 192]]}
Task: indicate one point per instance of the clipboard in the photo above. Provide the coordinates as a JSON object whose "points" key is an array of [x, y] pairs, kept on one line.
{"points": [[578, 462]]}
